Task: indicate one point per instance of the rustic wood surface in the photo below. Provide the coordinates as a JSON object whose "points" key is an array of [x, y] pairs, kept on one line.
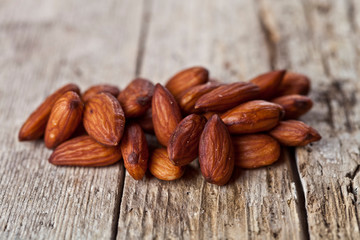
{"points": [[311, 192]]}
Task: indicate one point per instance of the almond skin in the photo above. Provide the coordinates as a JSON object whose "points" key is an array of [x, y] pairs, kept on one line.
{"points": [[64, 119], [135, 99], [294, 83], [135, 151], [145, 122], [255, 150], [104, 119], [294, 105], [183, 145], [252, 117], [166, 114], [294, 133], [161, 167], [268, 83], [84, 151], [227, 96], [216, 155], [93, 90], [186, 79], [34, 127]]}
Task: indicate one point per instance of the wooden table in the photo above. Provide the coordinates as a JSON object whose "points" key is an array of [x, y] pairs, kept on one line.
{"points": [[311, 192]]}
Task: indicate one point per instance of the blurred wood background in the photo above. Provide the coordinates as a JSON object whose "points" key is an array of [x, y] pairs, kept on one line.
{"points": [[312, 192]]}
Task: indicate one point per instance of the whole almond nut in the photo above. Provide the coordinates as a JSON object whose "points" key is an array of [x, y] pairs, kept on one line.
{"points": [[255, 150], [227, 96], [135, 151], [161, 167], [186, 79], [64, 118], [93, 90], [104, 119], [294, 105], [294, 133], [135, 99], [252, 117], [145, 122], [84, 151], [294, 83], [268, 83], [216, 155], [183, 145], [166, 114], [34, 127]]}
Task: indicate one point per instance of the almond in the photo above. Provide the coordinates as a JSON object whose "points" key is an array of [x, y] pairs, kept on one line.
{"points": [[186, 79], [93, 90], [294, 83], [135, 99], [227, 96], [34, 127], [294, 105], [254, 116], [216, 156], [84, 151], [183, 145], [294, 133], [268, 83], [161, 167], [166, 114], [64, 118], [145, 122], [135, 151], [255, 150], [104, 119]]}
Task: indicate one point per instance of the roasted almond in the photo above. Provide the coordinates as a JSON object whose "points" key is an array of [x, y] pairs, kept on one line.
{"points": [[162, 168], [93, 90], [227, 96], [255, 150], [135, 151], [186, 79], [294, 133], [268, 83], [216, 156], [104, 119], [183, 145], [135, 99], [64, 118], [294, 105], [145, 121], [166, 114], [84, 151], [34, 127], [294, 83], [252, 117]]}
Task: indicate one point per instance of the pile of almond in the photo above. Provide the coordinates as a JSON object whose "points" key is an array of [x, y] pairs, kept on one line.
{"points": [[223, 125]]}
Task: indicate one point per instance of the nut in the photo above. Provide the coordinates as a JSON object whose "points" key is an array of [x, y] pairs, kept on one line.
{"points": [[294, 83], [93, 90], [294, 105], [161, 167], [268, 83], [145, 122]]}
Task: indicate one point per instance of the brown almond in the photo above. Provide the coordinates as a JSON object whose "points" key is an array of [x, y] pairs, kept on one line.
{"points": [[166, 114], [145, 122], [294, 133], [135, 99], [64, 119], [183, 145], [294, 105], [294, 83], [186, 79], [104, 119], [252, 117], [227, 96], [134, 151], [255, 150], [216, 155], [268, 83], [34, 127], [162, 168], [84, 151], [93, 90]]}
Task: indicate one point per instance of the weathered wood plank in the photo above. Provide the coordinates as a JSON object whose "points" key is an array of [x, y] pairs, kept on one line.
{"points": [[44, 45], [226, 37], [321, 38]]}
